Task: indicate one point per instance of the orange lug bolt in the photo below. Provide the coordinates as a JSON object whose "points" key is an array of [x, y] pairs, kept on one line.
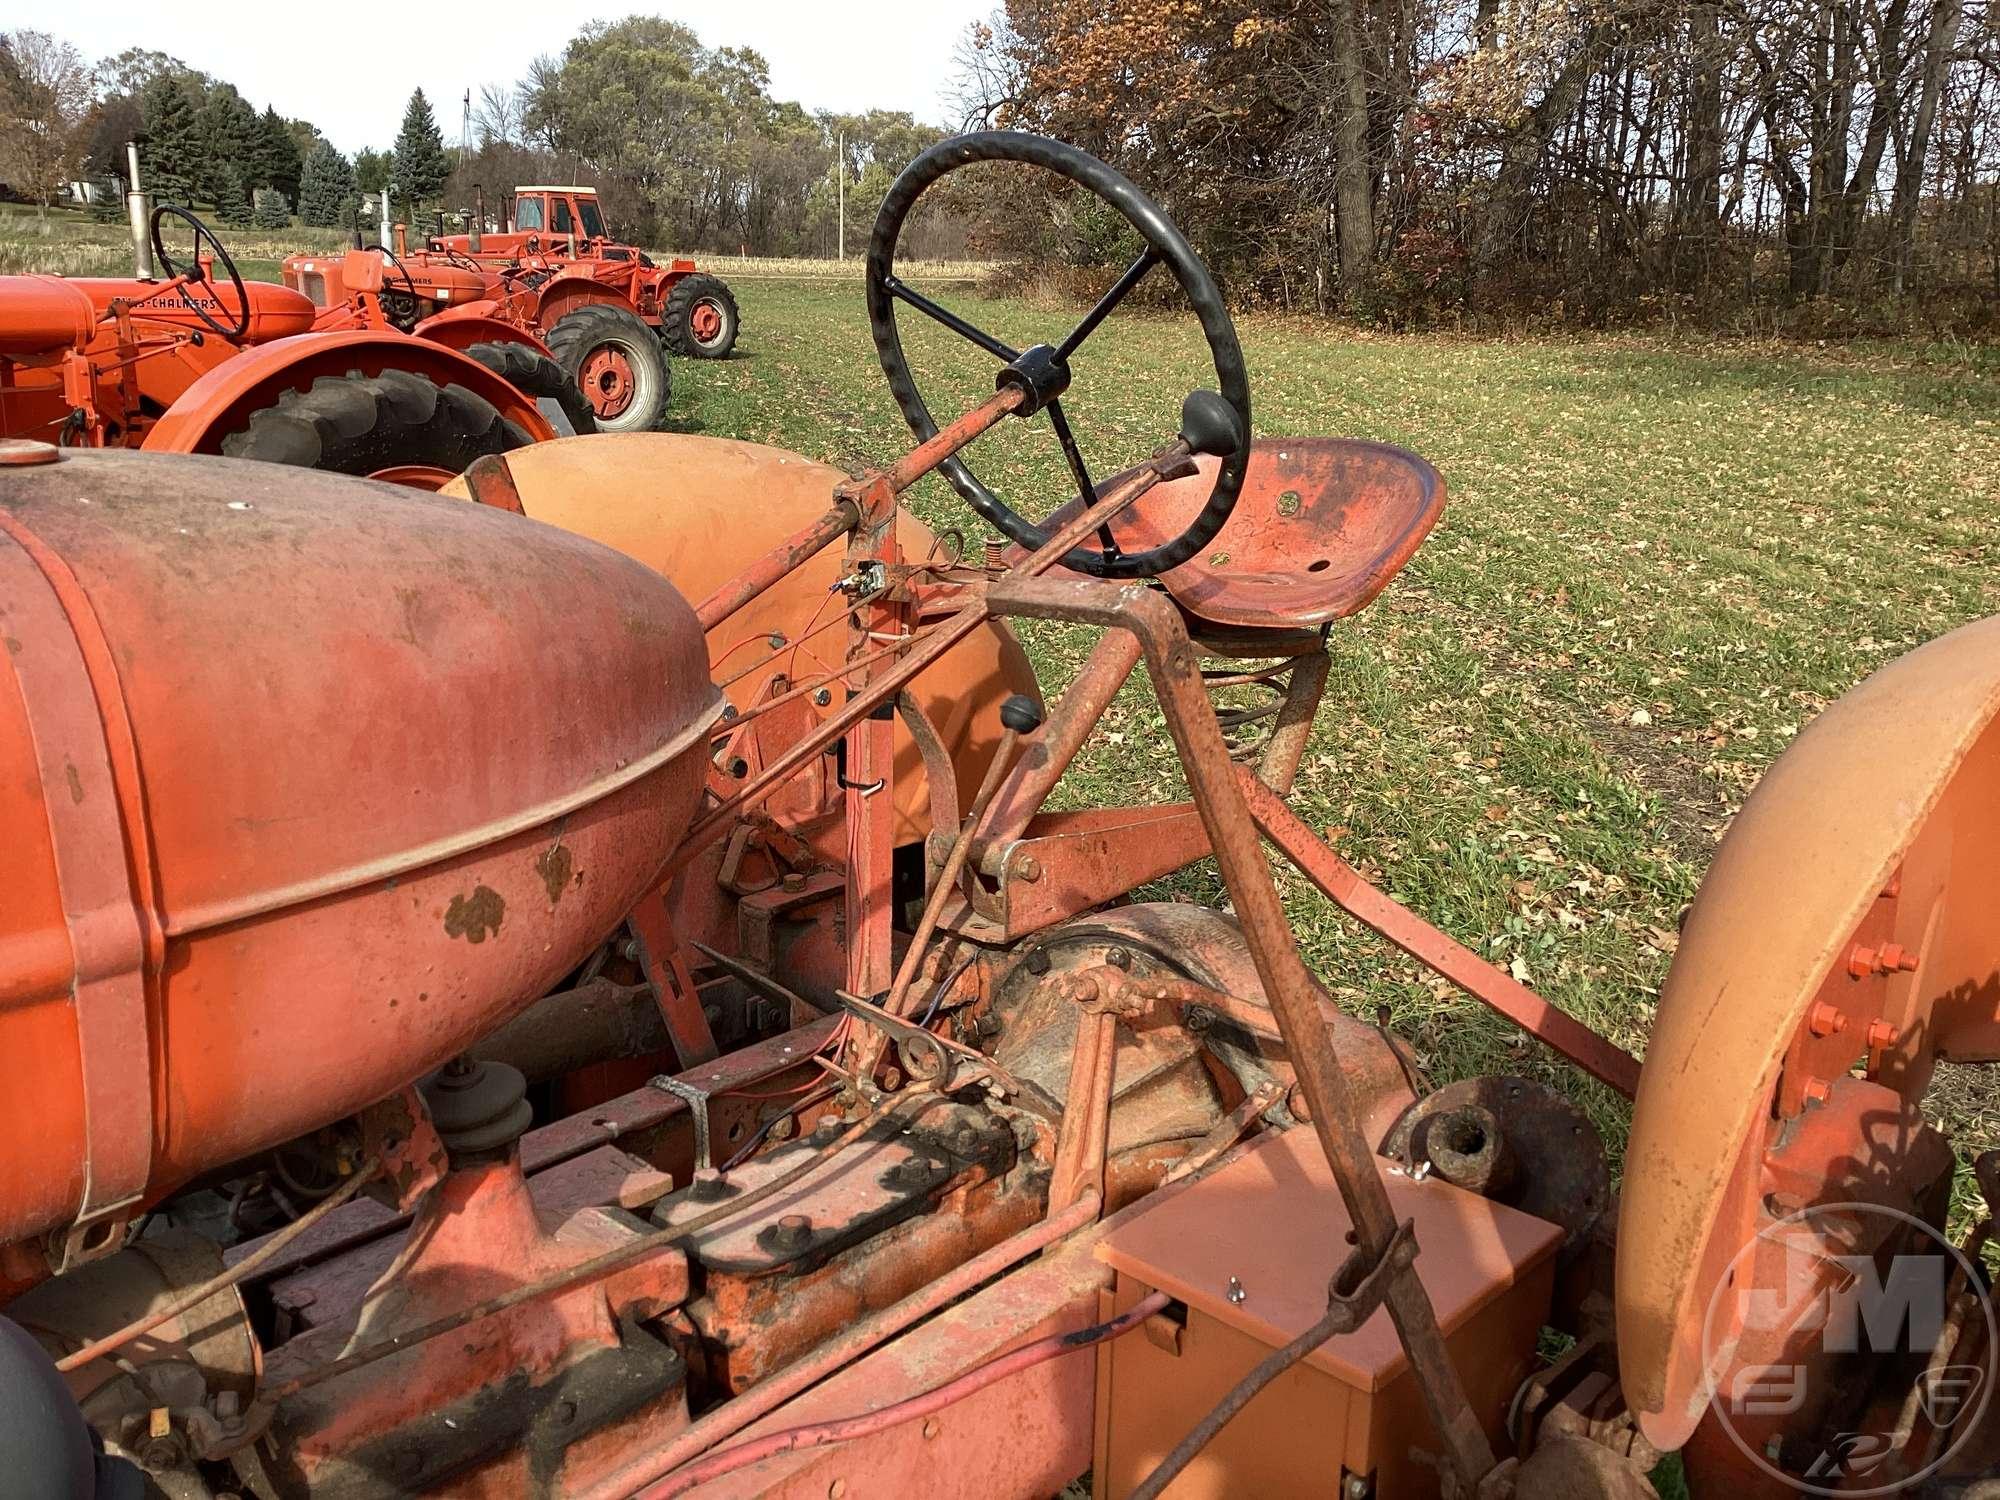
{"points": [[1881, 1034], [1826, 1020], [1816, 1091], [1863, 962]]}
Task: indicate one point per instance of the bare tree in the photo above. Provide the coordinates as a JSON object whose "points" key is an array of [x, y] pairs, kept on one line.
{"points": [[43, 99], [497, 120]]}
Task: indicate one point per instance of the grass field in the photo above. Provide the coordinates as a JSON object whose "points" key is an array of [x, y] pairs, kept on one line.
{"points": [[1656, 564]]}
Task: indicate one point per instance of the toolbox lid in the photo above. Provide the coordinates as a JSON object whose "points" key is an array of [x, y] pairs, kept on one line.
{"points": [[1274, 1220]]}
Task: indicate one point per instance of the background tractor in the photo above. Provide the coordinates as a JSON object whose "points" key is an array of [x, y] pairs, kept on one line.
{"points": [[201, 363], [582, 986], [559, 232], [584, 346]]}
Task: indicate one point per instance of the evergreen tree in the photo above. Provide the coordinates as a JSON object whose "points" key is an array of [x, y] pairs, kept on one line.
{"points": [[278, 160], [420, 167], [273, 210], [232, 198], [171, 148], [371, 170], [108, 205], [231, 137], [326, 185]]}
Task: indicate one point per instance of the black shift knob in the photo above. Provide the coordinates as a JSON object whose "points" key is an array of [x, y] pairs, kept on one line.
{"points": [[1021, 713]]}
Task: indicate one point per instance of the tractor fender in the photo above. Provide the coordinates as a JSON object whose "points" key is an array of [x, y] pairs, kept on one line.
{"points": [[566, 293], [221, 401], [476, 323], [1882, 818]]}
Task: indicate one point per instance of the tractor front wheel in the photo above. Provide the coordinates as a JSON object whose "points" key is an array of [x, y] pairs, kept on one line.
{"points": [[533, 373], [699, 319], [396, 426], [617, 363]]}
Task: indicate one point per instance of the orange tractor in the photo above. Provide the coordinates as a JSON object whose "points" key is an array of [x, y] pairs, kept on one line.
{"points": [[599, 358], [198, 362], [559, 234], [575, 987]]}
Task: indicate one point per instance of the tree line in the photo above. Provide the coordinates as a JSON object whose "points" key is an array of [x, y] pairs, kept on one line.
{"points": [[1834, 163], [66, 120], [687, 143], [1594, 160]]}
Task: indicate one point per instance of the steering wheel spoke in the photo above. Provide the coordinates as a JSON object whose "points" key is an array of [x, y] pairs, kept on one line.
{"points": [[1086, 490], [1134, 274], [1165, 245], [903, 292]]}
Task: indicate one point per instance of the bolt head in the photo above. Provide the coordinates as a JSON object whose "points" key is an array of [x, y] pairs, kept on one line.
{"points": [[1826, 1020], [1118, 958], [1028, 868], [1816, 1091]]}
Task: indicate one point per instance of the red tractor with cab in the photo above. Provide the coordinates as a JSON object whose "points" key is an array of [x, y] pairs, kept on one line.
{"points": [[559, 232]]}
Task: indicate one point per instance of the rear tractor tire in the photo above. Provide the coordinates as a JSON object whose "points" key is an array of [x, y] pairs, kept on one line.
{"points": [[617, 363], [396, 426], [534, 374], [699, 319]]}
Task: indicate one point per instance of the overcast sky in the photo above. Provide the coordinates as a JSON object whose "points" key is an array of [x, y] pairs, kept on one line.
{"points": [[888, 54]]}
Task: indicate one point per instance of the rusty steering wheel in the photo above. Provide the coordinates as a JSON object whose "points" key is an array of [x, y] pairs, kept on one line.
{"points": [[194, 274], [1043, 371]]}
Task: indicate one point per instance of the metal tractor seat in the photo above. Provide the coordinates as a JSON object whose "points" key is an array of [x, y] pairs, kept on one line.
{"points": [[1320, 528]]}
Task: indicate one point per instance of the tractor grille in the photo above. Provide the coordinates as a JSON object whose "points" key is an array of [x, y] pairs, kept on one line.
{"points": [[313, 284]]}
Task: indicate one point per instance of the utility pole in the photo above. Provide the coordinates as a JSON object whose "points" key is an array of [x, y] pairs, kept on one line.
{"points": [[840, 189]]}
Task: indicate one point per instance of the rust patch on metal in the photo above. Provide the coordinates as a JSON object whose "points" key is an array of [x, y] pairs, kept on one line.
{"points": [[476, 916], [75, 781], [554, 866]]}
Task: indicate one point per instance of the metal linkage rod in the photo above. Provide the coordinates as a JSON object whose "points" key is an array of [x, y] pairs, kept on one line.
{"points": [[1175, 668]]}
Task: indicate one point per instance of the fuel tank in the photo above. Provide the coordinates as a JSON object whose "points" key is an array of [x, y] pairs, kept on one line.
{"points": [[306, 782], [276, 312], [701, 509]]}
